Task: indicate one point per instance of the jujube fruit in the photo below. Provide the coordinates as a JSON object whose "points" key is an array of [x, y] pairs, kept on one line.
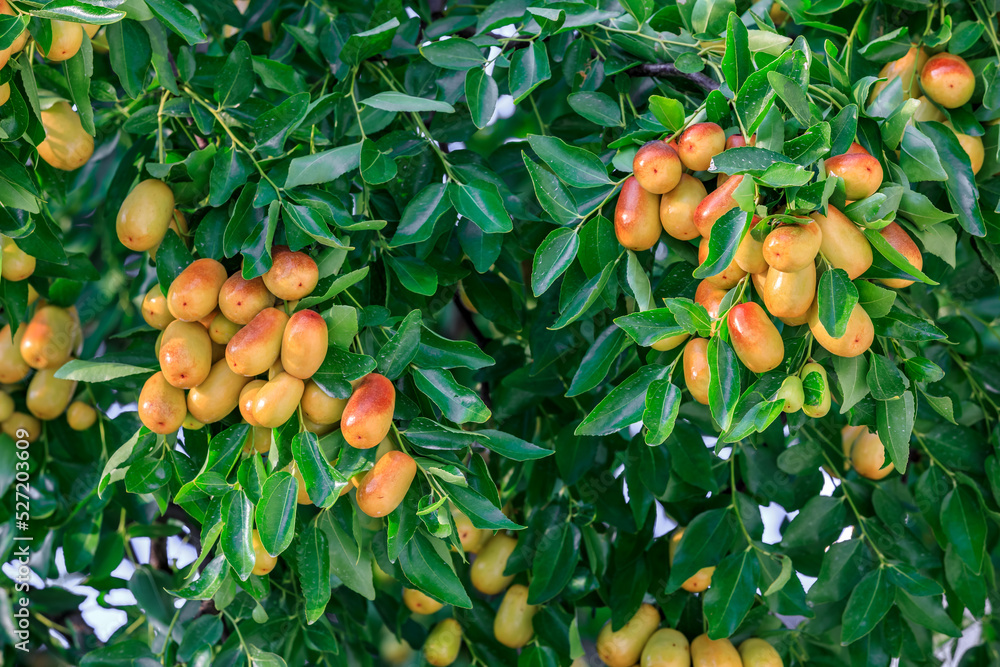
{"points": [[857, 337], [715, 205], [677, 208], [707, 652], [17, 264], [756, 652], [901, 241], [194, 294], [161, 405], [67, 146], [48, 396], [657, 167], [20, 421], [472, 538], [218, 395], [4, 90], [666, 648], [670, 342], [868, 456], [221, 330], [791, 392], [263, 562], [710, 296], [248, 396], [637, 216], [367, 416], [240, 300], [320, 407], [906, 68], [22, 38], [750, 252], [726, 278], [696, 372], [304, 344], [185, 354], [420, 603], [443, 643], [789, 294], [698, 144], [6, 406], [154, 308], [700, 580], [302, 497], [67, 37], [383, 488], [257, 345], [862, 173], [487, 571], [276, 401], [843, 244], [292, 275], [755, 339], [948, 80], [80, 416], [512, 626], [622, 647], [816, 390], [145, 215], [791, 248], [13, 367], [49, 338], [260, 438]]}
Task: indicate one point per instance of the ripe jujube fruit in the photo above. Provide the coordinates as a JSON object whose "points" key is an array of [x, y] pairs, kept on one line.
{"points": [[637, 216], [49, 338], [727, 278], [17, 264], [791, 248], [789, 294], [948, 80], [185, 354], [257, 345], [248, 396], [154, 308], [677, 208], [263, 562], [240, 300], [487, 571], [302, 497], [868, 456], [221, 330], [218, 395], [710, 296], [843, 244], [657, 167], [754, 337], [666, 648], [367, 416], [756, 652], [696, 372], [145, 215], [275, 402], [383, 487], [862, 173], [6, 406], [194, 293], [80, 416], [13, 367], [420, 603], [715, 205], [472, 538], [20, 421], [700, 580], [161, 405], [512, 626], [906, 68], [750, 252], [67, 37], [901, 241], [304, 344], [292, 275], [22, 38], [816, 390], [622, 647], [698, 144], [670, 342], [320, 407], [707, 652], [857, 338], [48, 396], [443, 643], [67, 146]]}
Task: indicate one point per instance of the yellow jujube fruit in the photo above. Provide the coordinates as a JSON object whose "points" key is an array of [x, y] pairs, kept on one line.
{"points": [[868, 456], [185, 354], [154, 308], [383, 487], [22, 426], [419, 602], [472, 538], [48, 396], [487, 572], [80, 416], [194, 294], [218, 395], [6, 406], [843, 244], [67, 146], [320, 407], [637, 216], [304, 344], [17, 264], [240, 300], [666, 648], [367, 417], [292, 275], [443, 643], [707, 652], [145, 215], [13, 367], [161, 405], [677, 208], [857, 337], [263, 562], [221, 330], [754, 338], [257, 346], [275, 402], [698, 144], [67, 37], [756, 652], [49, 338], [657, 167], [700, 580], [622, 647], [512, 626]]}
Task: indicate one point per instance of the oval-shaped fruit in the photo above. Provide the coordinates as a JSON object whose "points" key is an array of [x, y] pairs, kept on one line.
{"points": [[13, 367], [472, 538], [194, 294], [754, 337], [948, 80], [5, 87], [6, 406], [791, 392], [707, 652], [218, 395], [729, 277], [320, 407], [901, 241], [49, 338], [789, 294], [161, 405], [443, 643], [221, 330], [261, 438], [17, 265], [710, 296], [750, 253], [67, 146], [154, 308], [23, 423], [248, 397], [677, 208], [715, 205], [67, 36], [862, 173], [383, 487], [292, 275], [696, 369], [973, 147], [419, 602], [637, 216], [927, 111], [906, 68], [276, 401], [868, 456], [304, 344], [185, 354], [257, 345], [791, 248], [816, 390], [843, 244], [145, 215], [756, 652], [848, 435], [487, 571], [856, 339], [666, 648], [700, 580], [191, 424], [80, 416], [263, 562], [657, 167], [623, 647], [48, 396], [367, 416], [670, 342], [698, 144], [241, 300], [513, 625]]}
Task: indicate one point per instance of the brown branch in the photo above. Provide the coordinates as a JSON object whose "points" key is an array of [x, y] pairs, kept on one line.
{"points": [[670, 71]]}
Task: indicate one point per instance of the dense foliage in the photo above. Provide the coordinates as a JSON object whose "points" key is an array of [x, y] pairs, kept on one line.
{"points": [[454, 182]]}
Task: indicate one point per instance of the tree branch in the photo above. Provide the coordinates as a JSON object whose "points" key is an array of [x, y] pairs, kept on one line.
{"points": [[670, 71]]}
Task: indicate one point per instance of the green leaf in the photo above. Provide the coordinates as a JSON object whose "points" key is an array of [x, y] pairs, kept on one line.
{"points": [[130, 55], [459, 404], [207, 583], [415, 275], [436, 351], [553, 257], [481, 202], [324, 166], [82, 370], [598, 359], [575, 166], [885, 380], [706, 539], [481, 94], [177, 17], [926, 612], [336, 287], [361, 46], [596, 107], [314, 570], [481, 512], [555, 561], [401, 349], [511, 447], [78, 12], [736, 65], [417, 222], [348, 561], [273, 126], [236, 537], [427, 570], [894, 425], [235, 81], [669, 112], [455, 54], [231, 169], [731, 595], [868, 604], [529, 68], [395, 101], [584, 298], [794, 97], [275, 513], [727, 233], [663, 401], [919, 157], [894, 256], [963, 195], [555, 200], [624, 405], [844, 563], [323, 482], [852, 374], [964, 524], [723, 381], [377, 166], [836, 297]]}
